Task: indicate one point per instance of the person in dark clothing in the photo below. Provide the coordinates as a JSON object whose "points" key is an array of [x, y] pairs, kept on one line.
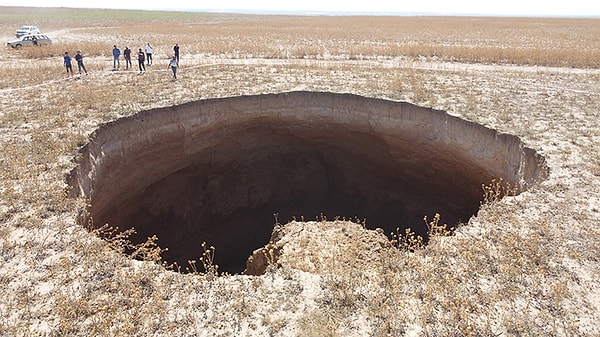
{"points": [[79, 59], [127, 56], [176, 50], [141, 60]]}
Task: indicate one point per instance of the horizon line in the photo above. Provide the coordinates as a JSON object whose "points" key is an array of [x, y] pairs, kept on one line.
{"points": [[327, 12]]}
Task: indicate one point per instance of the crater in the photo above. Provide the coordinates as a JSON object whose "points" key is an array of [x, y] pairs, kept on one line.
{"points": [[217, 170]]}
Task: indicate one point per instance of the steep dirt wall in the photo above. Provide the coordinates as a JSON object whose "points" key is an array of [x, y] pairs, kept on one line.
{"points": [[217, 170]]}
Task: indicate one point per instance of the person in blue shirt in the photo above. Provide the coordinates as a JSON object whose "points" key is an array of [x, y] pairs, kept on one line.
{"points": [[67, 60], [116, 55]]}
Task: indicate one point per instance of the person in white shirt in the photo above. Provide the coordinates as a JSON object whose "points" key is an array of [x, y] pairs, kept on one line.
{"points": [[173, 66], [149, 53]]}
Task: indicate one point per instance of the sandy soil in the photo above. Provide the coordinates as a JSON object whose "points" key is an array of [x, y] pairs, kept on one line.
{"points": [[526, 265]]}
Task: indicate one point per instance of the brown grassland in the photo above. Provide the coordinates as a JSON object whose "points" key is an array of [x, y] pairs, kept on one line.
{"points": [[526, 265]]}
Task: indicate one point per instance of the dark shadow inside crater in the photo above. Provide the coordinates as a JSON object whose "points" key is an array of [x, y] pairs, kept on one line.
{"points": [[218, 170]]}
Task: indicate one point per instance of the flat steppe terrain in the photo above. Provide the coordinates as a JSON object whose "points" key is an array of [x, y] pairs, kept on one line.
{"points": [[526, 265]]}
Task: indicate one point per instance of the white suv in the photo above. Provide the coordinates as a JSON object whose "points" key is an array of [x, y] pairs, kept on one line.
{"points": [[27, 30]]}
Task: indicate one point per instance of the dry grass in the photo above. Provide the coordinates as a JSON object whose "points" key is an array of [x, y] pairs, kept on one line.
{"points": [[542, 42], [525, 266]]}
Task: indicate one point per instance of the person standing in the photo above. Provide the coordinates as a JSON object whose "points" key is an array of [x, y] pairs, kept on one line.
{"points": [[116, 55], [173, 66], [67, 62], [127, 55], [79, 59], [176, 50], [141, 59], [149, 53]]}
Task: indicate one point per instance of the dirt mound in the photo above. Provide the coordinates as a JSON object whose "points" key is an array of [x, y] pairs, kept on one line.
{"points": [[307, 246]]}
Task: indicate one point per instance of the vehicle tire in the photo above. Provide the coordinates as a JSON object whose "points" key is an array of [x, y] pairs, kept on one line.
{"points": [[18, 46]]}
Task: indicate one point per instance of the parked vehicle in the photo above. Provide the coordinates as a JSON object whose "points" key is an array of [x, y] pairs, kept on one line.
{"points": [[27, 30], [30, 40]]}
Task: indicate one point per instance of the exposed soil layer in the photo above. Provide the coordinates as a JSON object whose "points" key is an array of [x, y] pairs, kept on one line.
{"points": [[218, 170]]}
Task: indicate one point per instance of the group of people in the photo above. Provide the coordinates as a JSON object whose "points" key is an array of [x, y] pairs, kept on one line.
{"points": [[79, 58], [144, 58]]}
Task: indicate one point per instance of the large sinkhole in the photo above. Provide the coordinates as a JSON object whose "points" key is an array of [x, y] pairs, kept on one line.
{"points": [[218, 170]]}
